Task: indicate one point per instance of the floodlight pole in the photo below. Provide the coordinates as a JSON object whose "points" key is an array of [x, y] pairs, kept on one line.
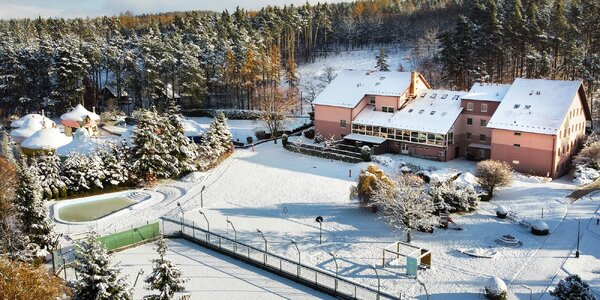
{"points": [[140, 272], [265, 239], [336, 269], [206, 219], [182, 215], [234, 236], [299, 261], [378, 280], [530, 291]]}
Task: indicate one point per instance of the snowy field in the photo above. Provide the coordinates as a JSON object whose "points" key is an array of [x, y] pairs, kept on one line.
{"points": [[281, 193], [211, 275]]}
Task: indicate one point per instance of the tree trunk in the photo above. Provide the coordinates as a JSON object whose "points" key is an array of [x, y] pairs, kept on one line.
{"points": [[409, 235]]}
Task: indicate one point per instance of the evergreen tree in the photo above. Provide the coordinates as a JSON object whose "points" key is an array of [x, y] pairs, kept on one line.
{"points": [[382, 64], [116, 168], [182, 149], [81, 172], [47, 168], [150, 154], [165, 277], [97, 278], [33, 213], [222, 131], [573, 287]]}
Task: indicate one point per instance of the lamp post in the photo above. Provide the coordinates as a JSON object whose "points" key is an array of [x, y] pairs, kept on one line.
{"points": [[299, 261], [378, 280], [578, 236], [206, 219], [234, 236], [201, 196], [264, 239], [140, 272], [319, 220], [530, 291], [182, 215], [336, 269]]}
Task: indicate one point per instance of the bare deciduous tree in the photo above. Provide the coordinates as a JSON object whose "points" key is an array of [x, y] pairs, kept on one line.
{"points": [[408, 206], [492, 174], [275, 106]]}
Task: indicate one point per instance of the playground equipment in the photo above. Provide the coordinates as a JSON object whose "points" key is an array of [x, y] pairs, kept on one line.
{"points": [[416, 257], [445, 221]]}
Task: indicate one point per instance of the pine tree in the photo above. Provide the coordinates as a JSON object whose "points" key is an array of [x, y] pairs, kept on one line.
{"points": [[150, 154], [165, 277], [83, 172], [97, 278], [116, 168], [573, 287], [222, 131], [47, 168], [182, 149], [33, 213], [382, 64]]}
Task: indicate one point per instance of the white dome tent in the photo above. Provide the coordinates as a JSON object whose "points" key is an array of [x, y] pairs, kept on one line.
{"points": [[79, 117], [45, 139], [42, 119], [27, 129]]}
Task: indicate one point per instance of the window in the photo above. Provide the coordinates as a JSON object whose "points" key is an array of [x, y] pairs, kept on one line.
{"points": [[372, 99], [421, 111], [517, 133], [468, 136], [444, 96], [517, 106], [484, 107], [516, 162], [482, 122], [469, 121], [343, 123], [470, 106], [517, 145], [433, 96], [482, 137], [455, 97], [410, 110], [387, 109]]}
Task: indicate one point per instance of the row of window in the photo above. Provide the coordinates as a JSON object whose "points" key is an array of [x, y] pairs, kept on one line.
{"points": [[483, 107], [405, 135], [482, 137], [573, 128], [404, 149], [482, 122]]}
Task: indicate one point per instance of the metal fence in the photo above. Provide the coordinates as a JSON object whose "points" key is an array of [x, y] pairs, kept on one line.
{"points": [[318, 279], [130, 237]]}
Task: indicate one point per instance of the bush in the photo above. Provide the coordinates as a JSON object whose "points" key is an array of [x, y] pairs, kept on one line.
{"points": [[448, 197], [365, 153], [369, 182], [495, 289], [284, 139], [573, 287], [309, 133], [249, 140], [261, 134], [492, 174], [318, 138], [589, 156]]}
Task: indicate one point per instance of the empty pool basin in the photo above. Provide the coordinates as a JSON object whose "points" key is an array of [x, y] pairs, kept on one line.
{"points": [[90, 209]]}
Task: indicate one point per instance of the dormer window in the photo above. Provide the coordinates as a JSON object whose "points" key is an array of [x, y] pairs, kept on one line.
{"points": [[444, 96]]}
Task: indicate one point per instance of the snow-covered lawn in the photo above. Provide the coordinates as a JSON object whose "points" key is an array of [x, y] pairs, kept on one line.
{"points": [[211, 275], [282, 193]]}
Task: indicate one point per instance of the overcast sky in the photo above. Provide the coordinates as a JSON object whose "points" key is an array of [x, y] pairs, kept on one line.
{"points": [[92, 8]]}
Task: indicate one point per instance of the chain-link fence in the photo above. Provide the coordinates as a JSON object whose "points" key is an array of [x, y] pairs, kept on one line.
{"points": [[318, 279]]}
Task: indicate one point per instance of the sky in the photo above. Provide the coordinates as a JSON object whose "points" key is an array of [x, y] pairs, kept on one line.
{"points": [[92, 8]]}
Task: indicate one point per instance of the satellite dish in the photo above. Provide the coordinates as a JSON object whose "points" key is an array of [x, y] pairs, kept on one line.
{"points": [[319, 219]]}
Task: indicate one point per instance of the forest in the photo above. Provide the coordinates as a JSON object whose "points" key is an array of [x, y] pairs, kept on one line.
{"points": [[235, 59]]}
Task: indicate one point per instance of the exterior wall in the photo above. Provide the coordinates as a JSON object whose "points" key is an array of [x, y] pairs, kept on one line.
{"points": [[476, 129], [359, 107], [327, 120], [391, 101], [534, 154], [569, 136], [418, 150]]}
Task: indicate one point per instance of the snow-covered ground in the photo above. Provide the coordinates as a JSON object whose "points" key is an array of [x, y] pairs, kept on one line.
{"points": [[282, 193], [211, 275]]}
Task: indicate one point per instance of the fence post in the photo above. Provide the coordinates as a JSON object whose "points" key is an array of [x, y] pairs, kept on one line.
{"points": [[53, 263], [194, 229]]}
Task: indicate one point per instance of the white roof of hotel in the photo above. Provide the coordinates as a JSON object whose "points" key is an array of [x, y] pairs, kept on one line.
{"points": [[78, 114], [522, 109], [350, 86], [487, 92], [428, 112]]}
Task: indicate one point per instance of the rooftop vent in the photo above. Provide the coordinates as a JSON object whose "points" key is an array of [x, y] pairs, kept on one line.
{"points": [[377, 83], [455, 97], [433, 96], [527, 106], [517, 106], [382, 78], [531, 93], [538, 93], [421, 111], [410, 110], [423, 95], [444, 96], [432, 112]]}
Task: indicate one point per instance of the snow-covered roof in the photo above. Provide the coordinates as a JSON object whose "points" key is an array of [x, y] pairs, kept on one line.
{"points": [[81, 143], [113, 90], [365, 138], [45, 139], [433, 111], [78, 114], [19, 122], [535, 105], [487, 92], [350, 86], [29, 127]]}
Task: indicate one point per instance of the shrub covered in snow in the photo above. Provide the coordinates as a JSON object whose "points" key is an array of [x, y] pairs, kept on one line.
{"points": [[571, 288], [309, 133], [216, 143], [165, 277], [448, 197], [47, 167], [589, 156], [501, 212], [365, 153], [493, 174], [81, 172], [585, 175], [318, 138], [496, 289], [284, 139], [539, 227]]}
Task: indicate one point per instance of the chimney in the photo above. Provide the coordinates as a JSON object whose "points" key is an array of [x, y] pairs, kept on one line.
{"points": [[93, 109], [413, 83]]}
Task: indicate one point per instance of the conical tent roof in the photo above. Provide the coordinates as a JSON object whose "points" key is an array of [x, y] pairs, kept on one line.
{"points": [[45, 139], [28, 128], [78, 114], [21, 121]]}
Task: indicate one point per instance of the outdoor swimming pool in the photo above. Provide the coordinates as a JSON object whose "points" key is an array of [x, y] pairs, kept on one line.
{"points": [[96, 207]]}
